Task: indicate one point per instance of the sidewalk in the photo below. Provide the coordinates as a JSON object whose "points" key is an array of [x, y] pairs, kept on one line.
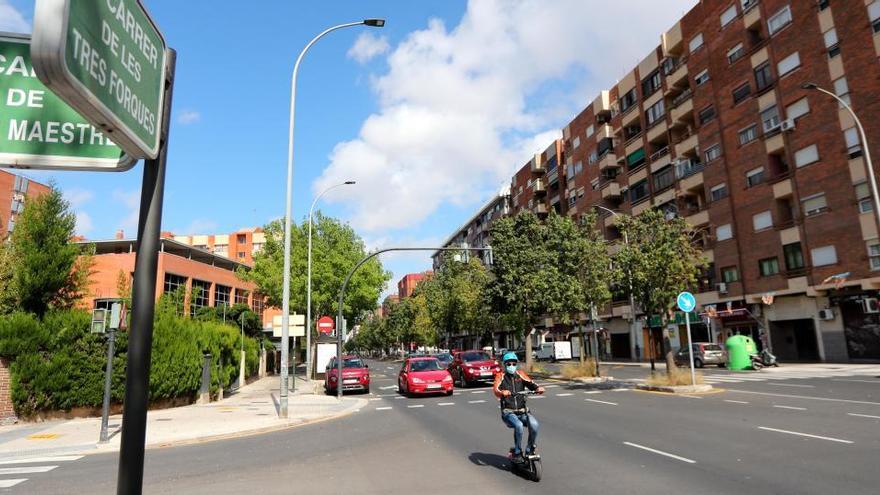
{"points": [[253, 409]]}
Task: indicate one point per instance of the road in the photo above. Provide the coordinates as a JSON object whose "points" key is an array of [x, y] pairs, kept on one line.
{"points": [[769, 433]]}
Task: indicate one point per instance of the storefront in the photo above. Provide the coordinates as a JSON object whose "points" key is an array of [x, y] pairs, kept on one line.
{"points": [[861, 324]]}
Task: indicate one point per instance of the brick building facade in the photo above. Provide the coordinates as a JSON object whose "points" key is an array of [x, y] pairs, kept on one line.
{"points": [[14, 192], [240, 245], [714, 125], [407, 284]]}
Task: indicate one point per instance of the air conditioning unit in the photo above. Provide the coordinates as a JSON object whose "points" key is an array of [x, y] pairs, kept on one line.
{"points": [[870, 305], [721, 287], [826, 314], [787, 125]]}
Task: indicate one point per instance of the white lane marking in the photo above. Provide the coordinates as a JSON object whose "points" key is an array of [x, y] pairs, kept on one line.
{"points": [[387, 395], [11, 483], [389, 387], [536, 397], [476, 401], [620, 390], [790, 407], [863, 415], [828, 399], [831, 439], [550, 386], [478, 391], [876, 382], [736, 401], [690, 396], [383, 408], [376, 398], [563, 395], [399, 397], [593, 392], [40, 460], [446, 404], [790, 385], [667, 454], [601, 402], [26, 470], [415, 406]]}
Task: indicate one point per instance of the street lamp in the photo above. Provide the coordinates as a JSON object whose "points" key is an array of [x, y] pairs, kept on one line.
{"points": [[865, 146], [309, 283], [632, 304], [285, 303]]}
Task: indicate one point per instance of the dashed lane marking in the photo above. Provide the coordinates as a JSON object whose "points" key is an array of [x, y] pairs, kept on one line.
{"points": [[11, 483], [389, 387], [827, 399], [400, 397], [790, 385], [660, 452], [863, 415], [735, 401], [593, 392], [414, 406], [602, 402], [790, 407], [563, 395], [376, 398], [446, 404], [476, 401], [876, 382], [383, 408], [478, 391], [830, 439]]}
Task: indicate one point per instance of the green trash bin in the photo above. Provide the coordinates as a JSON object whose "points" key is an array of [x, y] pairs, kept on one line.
{"points": [[739, 351]]}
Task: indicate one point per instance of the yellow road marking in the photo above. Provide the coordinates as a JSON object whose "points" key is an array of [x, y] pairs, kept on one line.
{"points": [[43, 436]]}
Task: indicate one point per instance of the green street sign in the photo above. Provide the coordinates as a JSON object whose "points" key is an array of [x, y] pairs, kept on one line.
{"points": [[107, 59], [38, 129]]}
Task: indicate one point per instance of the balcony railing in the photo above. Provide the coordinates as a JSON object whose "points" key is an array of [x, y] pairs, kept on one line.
{"points": [[659, 153], [686, 168], [684, 96]]}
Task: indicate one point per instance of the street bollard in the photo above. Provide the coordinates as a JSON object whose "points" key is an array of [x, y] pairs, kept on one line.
{"points": [[220, 378], [205, 392]]}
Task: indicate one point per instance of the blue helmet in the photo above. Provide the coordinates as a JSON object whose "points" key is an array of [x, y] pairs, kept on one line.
{"points": [[509, 356]]}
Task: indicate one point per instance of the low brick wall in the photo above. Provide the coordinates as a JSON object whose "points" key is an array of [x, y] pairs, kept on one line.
{"points": [[7, 413]]}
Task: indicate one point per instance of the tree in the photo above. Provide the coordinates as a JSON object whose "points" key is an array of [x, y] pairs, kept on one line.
{"points": [[662, 260], [336, 248], [457, 299], [44, 269], [589, 259]]}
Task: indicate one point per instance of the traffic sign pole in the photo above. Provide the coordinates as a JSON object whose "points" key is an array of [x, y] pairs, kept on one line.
{"points": [[687, 302], [137, 379], [687, 322]]}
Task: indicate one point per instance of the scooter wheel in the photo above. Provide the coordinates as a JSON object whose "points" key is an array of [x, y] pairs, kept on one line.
{"points": [[756, 366], [536, 471]]}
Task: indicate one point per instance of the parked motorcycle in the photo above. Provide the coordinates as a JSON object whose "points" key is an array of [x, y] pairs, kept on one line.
{"points": [[763, 359]]}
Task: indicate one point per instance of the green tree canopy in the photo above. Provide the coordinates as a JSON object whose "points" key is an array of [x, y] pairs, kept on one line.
{"points": [[457, 299]]}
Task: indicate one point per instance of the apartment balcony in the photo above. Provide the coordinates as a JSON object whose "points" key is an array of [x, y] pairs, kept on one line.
{"points": [[672, 40], [552, 176], [687, 168], [698, 218], [681, 98], [610, 189], [687, 145], [537, 166], [659, 130], [540, 209], [678, 77], [608, 161], [682, 113], [604, 131], [602, 103], [539, 186]]}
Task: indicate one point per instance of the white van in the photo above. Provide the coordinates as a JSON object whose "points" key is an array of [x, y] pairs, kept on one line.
{"points": [[554, 351]]}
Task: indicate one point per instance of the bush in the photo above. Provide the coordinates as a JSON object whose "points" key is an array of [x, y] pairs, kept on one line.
{"points": [[675, 377], [578, 370], [58, 364]]}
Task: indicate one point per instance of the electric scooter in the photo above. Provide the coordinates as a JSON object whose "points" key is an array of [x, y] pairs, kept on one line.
{"points": [[530, 466]]}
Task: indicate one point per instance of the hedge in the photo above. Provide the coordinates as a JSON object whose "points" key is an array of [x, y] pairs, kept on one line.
{"points": [[58, 364]]}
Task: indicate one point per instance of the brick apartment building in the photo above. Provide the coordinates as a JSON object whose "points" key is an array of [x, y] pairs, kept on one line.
{"points": [[407, 284], [475, 231], [14, 191], [714, 126], [180, 267], [240, 245]]}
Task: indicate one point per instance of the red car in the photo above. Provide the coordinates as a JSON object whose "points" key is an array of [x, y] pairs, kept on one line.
{"points": [[470, 367], [423, 375], [355, 375]]}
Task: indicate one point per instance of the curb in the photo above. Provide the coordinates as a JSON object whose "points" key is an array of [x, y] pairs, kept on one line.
{"points": [[677, 389]]}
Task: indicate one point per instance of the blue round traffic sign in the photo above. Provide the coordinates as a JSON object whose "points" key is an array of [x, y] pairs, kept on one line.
{"points": [[686, 302]]}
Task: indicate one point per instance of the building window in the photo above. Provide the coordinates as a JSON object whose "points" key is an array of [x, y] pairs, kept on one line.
{"points": [[768, 266], [824, 256], [713, 153], [798, 109], [788, 64], [814, 205], [241, 238], [747, 4], [724, 232], [20, 184], [779, 20], [831, 43], [863, 196], [729, 274], [741, 93], [635, 159], [257, 305], [17, 205], [853, 144], [702, 77], [593, 158], [638, 191], [794, 257], [748, 134], [222, 294], [695, 43], [655, 113], [576, 142], [806, 156], [823, 4], [578, 167], [841, 89], [628, 100], [241, 296], [242, 255], [591, 130], [770, 118], [761, 221], [221, 249], [728, 16], [874, 256], [718, 192], [874, 14], [201, 291], [735, 53], [664, 178], [755, 177], [173, 282], [631, 131], [763, 76], [707, 115]]}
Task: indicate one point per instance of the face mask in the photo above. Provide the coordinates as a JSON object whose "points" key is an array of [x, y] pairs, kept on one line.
{"points": [[511, 368]]}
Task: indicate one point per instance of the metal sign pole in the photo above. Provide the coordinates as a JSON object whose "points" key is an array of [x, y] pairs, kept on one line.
{"points": [[137, 379], [687, 322]]}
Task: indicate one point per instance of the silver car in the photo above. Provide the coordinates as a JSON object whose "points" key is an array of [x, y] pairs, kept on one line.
{"points": [[704, 353]]}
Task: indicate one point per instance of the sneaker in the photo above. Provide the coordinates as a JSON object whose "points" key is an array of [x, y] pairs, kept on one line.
{"points": [[518, 458], [531, 450]]}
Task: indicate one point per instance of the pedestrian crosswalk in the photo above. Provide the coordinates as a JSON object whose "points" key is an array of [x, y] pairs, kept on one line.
{"points": [[14, 472], [867, 373]]}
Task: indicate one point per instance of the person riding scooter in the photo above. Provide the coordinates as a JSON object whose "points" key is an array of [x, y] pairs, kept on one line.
{"points": [[508, 387]]}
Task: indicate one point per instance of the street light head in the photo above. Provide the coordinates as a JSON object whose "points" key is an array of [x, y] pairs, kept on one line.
{"points": [[374, 22], [349, 182], [809, 86]]}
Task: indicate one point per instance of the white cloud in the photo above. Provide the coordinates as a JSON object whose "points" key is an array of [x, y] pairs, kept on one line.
{"points": [[461, 109], [131, 200], [11, 20], [77, 198], [368, 46], [187, 117]]}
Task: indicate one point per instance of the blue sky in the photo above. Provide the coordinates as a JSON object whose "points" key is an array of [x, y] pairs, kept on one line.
{"points": [[431, 114]]}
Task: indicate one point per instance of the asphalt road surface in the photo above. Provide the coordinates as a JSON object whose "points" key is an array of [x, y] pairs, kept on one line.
{"points": [[767, 433]]}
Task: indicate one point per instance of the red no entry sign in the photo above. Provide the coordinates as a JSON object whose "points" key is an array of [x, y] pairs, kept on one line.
{"points": [[325, 325]]}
